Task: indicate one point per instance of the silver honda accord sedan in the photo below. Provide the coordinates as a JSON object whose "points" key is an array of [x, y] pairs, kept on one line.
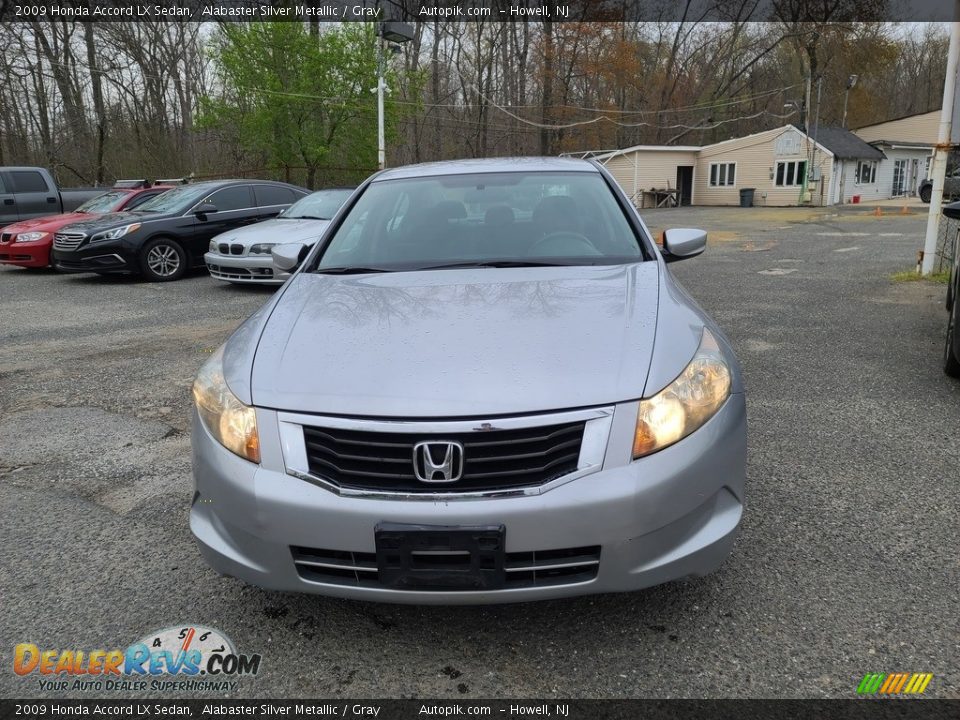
{"points": [[481, 385]]}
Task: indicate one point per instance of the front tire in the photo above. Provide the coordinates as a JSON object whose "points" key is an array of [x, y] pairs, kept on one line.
{"points": [[163, 260], [951, 352], [925, 193]]}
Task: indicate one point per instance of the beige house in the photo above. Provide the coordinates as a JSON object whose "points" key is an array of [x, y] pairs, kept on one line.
{"points": [[773, 163], [643, 167], [783, 166], [922, 129]]}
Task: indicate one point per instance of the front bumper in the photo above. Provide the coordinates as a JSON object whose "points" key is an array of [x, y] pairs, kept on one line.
{"points": [[34, 254], [671, 515], [257, 270], [102, 257]]}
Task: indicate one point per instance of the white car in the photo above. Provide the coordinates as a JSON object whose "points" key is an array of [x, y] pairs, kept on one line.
{"points": [[243, 255]]}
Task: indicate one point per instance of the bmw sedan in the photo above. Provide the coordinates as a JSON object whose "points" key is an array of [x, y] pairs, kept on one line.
{"points": [[483, 385], [243, 255]]}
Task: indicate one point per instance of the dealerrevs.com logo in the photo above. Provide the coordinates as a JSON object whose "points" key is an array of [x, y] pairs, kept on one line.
{"points": [[183, 658]]}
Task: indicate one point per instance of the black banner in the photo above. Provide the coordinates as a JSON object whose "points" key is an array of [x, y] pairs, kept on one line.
{"points": [[558, 709], [791, 11]]}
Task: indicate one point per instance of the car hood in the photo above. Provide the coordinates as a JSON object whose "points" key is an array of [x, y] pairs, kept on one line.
{"points": [[277, 230], [49, 223], [96, 223], [472, 342]]}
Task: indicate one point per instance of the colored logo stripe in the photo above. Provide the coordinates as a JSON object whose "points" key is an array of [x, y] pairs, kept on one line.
{"points": [[894, 683]]}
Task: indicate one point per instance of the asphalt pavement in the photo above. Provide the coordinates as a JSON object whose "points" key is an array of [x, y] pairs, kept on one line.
{"points": [[848, 561]]}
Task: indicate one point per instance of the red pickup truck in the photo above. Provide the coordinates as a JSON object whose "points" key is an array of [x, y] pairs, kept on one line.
{"points": [[27, 243]]}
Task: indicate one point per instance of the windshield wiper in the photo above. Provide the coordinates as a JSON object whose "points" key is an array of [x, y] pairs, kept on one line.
{"points": [[302, 217], [493, 264], [350, 270]]}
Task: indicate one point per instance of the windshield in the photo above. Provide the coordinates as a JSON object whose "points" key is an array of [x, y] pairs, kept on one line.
{"points": [[321, 205], [108, 202], [176, 200], [517, 218]]}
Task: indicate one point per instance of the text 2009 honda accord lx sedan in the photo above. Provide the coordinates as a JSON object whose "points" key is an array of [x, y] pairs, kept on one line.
{"points": [[482, 385]]}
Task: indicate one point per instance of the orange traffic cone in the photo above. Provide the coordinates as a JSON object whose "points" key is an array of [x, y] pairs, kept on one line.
{"points": [[878, 211], [904, 211]]}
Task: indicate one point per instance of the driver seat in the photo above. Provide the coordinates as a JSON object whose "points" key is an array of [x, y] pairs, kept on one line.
{"points": [[556, 213]]}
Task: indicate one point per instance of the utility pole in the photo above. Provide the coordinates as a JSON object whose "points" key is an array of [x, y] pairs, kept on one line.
{"points": [[804, 189], [381, 133], [938, 168]]}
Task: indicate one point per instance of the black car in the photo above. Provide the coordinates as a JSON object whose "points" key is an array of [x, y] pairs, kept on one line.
{"points": [[162, 238], [951, 353]]}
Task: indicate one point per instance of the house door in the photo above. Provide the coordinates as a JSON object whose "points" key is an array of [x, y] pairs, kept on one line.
{"points": [[899, 178], [913, 180], [685, 183]]}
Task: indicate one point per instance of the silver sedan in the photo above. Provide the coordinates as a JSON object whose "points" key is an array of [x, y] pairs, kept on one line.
{"points": [[243, 255], [483, 385]]}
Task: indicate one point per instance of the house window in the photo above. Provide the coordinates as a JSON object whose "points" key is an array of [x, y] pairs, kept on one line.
{"points": [[790, 173], [866, 172], [723, 174]]}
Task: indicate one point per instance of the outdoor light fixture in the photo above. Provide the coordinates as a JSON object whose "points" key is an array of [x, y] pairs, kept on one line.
{"points": [[396, 32]]}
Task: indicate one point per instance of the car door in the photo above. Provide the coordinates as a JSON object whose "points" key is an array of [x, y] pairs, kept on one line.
{"points": [[34, 197], [8, 203], [235, 207]]}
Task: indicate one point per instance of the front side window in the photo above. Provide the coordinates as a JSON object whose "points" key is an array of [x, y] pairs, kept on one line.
{"points": [[236, 197], [790, 173], [539, 218], [723, 174]]}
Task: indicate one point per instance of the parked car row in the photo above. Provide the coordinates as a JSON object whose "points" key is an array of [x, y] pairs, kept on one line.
{"points": [[161, 231]]}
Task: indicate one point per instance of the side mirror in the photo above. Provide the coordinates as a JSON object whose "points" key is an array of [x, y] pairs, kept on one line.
{"points": [[683, 243], [204, 209], [288, 256]]}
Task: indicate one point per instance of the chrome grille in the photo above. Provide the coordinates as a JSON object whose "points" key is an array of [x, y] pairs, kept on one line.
{"points": [[68, 240], [539, 568], [493, 460]]}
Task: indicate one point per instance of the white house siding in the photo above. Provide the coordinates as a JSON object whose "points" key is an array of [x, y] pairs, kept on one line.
{"points": [[922, 128], [644, 169], [883, 187], [756, 157]]}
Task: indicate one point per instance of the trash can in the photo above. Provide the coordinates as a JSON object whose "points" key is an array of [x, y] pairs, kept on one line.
{"points": [[746, 197]]}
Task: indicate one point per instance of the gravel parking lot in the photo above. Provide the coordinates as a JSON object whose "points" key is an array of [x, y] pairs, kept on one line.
{"points": [[848, 561]]}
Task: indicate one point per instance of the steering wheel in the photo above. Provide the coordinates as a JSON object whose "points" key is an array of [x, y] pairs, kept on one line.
{"points": [[579, 242]]}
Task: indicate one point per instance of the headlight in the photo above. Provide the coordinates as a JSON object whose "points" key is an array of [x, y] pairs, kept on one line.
{"points": [[30, 236], [233, 424], [261, 248], [686, 403], [213, 246], [115, 233]]}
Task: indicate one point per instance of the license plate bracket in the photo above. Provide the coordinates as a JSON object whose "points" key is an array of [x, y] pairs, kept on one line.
{"points": [[440, 557]]}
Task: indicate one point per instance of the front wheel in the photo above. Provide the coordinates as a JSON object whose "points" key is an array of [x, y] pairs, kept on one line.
{"points": [[925, 193], [951, 353], [163, 260]]}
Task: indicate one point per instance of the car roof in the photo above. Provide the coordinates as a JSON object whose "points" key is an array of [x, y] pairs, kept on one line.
{"points": [[240, 181], [489, 165]]}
